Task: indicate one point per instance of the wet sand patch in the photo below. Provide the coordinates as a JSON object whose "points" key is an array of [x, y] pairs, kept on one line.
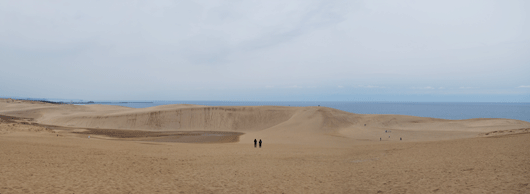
{"points": [[166, 136]]}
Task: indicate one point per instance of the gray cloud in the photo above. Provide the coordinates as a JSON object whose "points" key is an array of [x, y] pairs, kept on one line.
{"points": [[166, 49]]}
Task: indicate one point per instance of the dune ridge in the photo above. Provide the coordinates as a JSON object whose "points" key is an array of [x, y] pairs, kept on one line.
{"points": [[274, 122], [245, 119]]}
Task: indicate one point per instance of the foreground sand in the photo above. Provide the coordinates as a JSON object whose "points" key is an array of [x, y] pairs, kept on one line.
{"points": [[46, 163], [305, 153]]}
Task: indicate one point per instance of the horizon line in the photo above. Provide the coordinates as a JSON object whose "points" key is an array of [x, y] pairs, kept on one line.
{"points": [[66, 101]]}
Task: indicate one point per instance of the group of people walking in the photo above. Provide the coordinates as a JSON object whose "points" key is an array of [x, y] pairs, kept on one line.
{"points": [[255, 142]]}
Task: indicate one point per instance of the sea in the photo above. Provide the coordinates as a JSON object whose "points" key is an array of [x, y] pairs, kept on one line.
{"points": [[442, 110]]}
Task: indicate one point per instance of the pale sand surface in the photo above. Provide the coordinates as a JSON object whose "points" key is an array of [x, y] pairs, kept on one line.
{"points": [[306, 150]]}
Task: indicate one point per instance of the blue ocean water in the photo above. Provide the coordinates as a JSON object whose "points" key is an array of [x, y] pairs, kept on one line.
{"points": [[442, 110]]}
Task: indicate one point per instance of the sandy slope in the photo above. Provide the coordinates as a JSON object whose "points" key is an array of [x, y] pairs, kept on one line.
{"points": [[304, 125], [306, 150]]}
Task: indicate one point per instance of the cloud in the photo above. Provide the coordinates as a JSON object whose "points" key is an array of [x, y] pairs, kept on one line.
{"points": [[152, 49], [368, 86], [422, 88], [522, 86]]}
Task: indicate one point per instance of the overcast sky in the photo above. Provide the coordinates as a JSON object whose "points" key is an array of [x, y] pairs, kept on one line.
{"points": [[406, 50]]}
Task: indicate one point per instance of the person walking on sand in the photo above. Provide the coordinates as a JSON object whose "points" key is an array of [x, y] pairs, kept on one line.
{"points": [[260, 143], [255, 142]]}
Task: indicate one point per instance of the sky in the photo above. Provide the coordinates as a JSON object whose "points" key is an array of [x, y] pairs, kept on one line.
{"points": [[245, 50]]}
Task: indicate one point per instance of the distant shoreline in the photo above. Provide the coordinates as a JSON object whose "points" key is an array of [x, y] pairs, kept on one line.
{"points": [[91, 102], [441, 110], [71, 102]]}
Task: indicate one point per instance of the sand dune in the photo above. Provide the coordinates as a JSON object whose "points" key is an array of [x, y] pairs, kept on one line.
{"points": [[277, 124], [45, 148]]}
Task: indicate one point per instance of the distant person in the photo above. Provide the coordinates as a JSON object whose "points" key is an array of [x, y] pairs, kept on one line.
{"points": [[385, 131], [255, 142], [379, 139], [400, 139], [260, 143]]}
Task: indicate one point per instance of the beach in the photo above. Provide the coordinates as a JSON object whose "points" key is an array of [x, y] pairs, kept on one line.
{"points": [[202, 149]]}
